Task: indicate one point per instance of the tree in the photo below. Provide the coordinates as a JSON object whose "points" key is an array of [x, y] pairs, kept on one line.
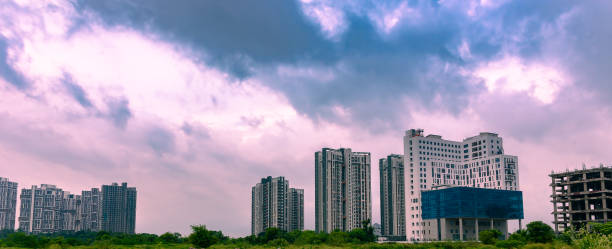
{"points": [[202, 237], [539, 232], [605, 228], [170, 238], [489, 237], [337, 238]]}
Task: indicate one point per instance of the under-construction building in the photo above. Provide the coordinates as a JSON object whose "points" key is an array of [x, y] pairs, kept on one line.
{"points": [[581, 196]]}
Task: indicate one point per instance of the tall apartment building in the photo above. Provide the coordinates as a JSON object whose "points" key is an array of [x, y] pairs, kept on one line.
{"points": [[8, 204], [49, 209], [477, 161], [581, 196], [41, 209], [118, 208], [392, 197], [90, 210], [274, 204], [295, 207], [342, 189]]}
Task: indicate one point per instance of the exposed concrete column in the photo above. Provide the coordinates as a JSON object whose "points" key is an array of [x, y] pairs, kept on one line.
{"points": [[604, 196], [461, 229], [476, 223], [554, 196], [520, 224], [491, 224]]}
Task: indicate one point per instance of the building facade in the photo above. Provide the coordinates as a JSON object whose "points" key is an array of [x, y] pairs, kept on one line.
{"points": [[392, 197], [295, 214], [118, 208], [460, 213], [41, 209], [431, 161], [90, 210], [342, 189], [581, 196], [274, 204], [8, 204]]}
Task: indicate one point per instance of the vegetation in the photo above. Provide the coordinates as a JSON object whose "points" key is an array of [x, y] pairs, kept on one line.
{"points": [[537, 236]]}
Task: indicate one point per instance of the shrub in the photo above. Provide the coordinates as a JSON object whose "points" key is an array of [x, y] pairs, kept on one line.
{"points": [[537, 246], [337, 238], [509, 244], [487, 247], [605, 228], [594, 241], [489, 237], [278, 243]]}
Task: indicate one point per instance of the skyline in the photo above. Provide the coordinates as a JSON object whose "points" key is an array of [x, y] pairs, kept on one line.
{"points": [[196, 101]]}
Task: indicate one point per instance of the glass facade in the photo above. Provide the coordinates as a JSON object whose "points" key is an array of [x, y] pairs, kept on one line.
{"points": [[465, 202]]}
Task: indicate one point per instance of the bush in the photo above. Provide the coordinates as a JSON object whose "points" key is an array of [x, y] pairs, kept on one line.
{"points": [[278, 243], [537, 246], [539, 232], [489, 237], [485, 247], [605, 229], [337, 238], [594, 241], [509, 244]]}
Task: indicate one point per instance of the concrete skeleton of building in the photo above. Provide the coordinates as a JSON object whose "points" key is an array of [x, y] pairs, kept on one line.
{"points": [[430, 161], [342, 189], [49, 209], [581, 196], [392, 197], [8, 204], [274, 204]]}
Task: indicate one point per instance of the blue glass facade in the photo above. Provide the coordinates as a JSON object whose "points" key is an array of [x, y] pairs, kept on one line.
{"points": [[465, 202]]}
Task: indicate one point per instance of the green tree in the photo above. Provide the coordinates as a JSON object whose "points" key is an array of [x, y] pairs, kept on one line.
{"points": [[337, 238], [489, 237], [168, 238], [202, 237], [539, 232], [602, 228]]}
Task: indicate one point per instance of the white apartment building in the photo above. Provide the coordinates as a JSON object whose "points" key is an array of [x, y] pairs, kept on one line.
{"points": [[392, 197], [343, 196], [274, 204], [431, 161], [8, 204]]}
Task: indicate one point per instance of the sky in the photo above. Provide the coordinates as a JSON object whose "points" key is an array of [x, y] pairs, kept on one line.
{"points": [[193, 102]]}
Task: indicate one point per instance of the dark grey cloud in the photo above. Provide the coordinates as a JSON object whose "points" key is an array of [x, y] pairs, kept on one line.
{"points": [[6, 70], [196, 130], [373, 72], [160, 140], [232, 33], [118, 111], [76, 91]]}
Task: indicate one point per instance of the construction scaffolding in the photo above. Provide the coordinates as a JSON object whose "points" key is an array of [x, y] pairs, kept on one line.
{"points": [[582, 196]]}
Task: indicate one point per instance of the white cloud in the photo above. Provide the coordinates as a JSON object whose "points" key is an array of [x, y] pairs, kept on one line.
{"points": [[510, 75]]}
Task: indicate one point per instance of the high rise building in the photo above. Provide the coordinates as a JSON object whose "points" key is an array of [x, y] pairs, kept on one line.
{"points": [[582, 196], [69, 213], [295, 210], [41, 209], [8, 204], [274, 204], [392, 197], [118, 208], [342, 189], [431, 161], [90, 210]]}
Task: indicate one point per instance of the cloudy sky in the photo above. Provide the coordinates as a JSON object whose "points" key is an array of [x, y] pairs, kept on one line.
{"points": [[193, 102]]}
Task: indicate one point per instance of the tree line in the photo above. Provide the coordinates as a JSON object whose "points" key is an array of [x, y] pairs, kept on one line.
{"points": [[536, 235]]}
